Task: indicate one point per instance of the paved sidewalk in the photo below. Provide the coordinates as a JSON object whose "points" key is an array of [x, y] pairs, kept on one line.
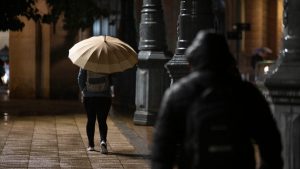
{"points": [[59, 141]]}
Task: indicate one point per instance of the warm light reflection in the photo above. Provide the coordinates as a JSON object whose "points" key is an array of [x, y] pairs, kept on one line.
{"points": [[5, 118]]}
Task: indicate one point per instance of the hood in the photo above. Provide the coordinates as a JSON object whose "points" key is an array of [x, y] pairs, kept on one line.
{"points": [[210, 51]]}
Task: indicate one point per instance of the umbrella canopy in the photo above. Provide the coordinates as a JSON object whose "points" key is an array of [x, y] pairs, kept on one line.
{"points": [[103, 54]]}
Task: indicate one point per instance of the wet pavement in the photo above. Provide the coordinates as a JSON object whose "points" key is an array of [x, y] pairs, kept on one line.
{"points": [[37, 134]]}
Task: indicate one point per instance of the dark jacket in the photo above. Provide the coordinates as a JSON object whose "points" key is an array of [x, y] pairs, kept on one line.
{"points": [[213, 65], [170, 128]]}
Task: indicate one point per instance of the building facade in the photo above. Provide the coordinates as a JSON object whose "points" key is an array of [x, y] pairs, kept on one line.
{"points": [[39, 67]]}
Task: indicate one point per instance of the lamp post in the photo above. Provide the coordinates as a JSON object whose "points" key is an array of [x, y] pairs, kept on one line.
{"points": [[151, 77], [194, 15], [284, 86]]}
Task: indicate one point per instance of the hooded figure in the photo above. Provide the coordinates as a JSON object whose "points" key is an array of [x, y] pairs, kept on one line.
{"points": [[209, 51], [212, 64]]}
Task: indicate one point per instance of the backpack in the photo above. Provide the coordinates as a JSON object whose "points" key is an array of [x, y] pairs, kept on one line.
{"points": [[216, 133], [96, 82]]}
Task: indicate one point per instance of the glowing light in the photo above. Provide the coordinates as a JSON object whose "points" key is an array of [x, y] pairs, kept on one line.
{"points": [[5, 78], [6, 118], [266, 69]]}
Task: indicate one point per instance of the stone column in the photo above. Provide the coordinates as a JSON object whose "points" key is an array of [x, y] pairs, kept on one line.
{"points": [[22, 62], [151, 77], [284, 86], [194, 15]]}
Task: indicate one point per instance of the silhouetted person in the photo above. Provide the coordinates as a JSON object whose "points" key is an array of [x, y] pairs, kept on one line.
{"points": [[259, 55], [213, 65]]}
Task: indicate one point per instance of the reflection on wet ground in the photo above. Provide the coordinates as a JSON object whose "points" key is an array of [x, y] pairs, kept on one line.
{"points": [[38, 134]]}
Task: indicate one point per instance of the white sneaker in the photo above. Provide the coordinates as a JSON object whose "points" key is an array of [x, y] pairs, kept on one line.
{"points": [[103, 147], [90, 149]]}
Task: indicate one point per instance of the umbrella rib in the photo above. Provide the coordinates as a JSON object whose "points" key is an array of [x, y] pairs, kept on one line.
{"points": [[129, 51], [116, 53], [123, 61], [99, 55], [112, 53]]}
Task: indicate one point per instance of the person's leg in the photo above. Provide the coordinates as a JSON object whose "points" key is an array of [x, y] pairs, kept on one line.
{"points": [[104, 106], [91, 120]]}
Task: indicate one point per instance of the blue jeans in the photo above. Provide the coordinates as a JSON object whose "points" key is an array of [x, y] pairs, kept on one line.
{"points": [[96, 108]]}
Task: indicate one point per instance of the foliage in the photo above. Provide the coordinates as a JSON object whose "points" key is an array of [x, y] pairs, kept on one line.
{"points": [[77, 13], [11, 9]]}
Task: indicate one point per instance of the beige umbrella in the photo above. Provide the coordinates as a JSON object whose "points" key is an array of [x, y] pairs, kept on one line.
{"points": [[103, 54]]}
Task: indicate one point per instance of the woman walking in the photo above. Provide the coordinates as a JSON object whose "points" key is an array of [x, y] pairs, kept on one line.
{"points": [[97, 98]]}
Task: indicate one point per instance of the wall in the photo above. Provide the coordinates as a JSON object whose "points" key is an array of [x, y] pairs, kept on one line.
{"points": [[22, 61], [4, 37], [43, 41], [29, 59], [265, 17], [279, 26], [63, 73]]}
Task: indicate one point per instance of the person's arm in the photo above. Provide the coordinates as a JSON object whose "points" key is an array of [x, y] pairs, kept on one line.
{"points": [[81, 79], [111, 84], [164, 143]]}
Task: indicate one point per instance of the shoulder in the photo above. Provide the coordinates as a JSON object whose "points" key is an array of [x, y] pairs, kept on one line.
{"points": [[251, 94], [185, 88]]}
